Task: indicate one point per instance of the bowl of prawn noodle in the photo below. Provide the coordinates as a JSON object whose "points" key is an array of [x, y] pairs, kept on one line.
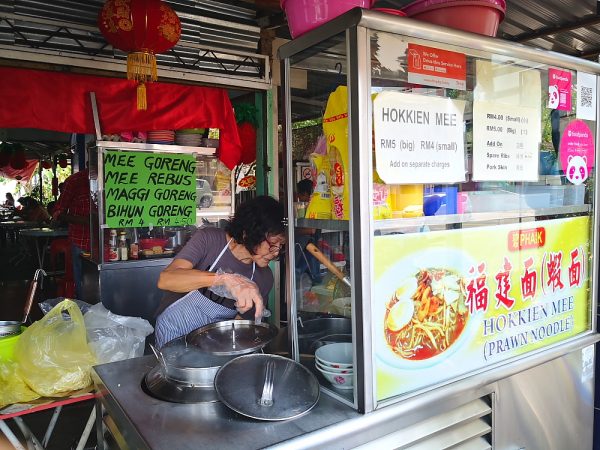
{"points": [[426, 316]]}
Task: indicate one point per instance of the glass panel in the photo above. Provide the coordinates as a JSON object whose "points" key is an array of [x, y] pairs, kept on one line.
{"points": [[320, 151], [482, 208]]}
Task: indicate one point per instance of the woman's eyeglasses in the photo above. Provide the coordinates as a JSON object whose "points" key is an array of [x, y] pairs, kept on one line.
{"points": [[276, 248]]}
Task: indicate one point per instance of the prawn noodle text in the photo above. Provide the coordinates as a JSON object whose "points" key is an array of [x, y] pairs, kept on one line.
{"points": [[439, 316]]}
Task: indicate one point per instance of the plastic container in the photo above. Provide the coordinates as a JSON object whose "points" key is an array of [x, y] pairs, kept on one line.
{"points": [[304, 15], [476, 16], [7, 346], [440, 200], [394, 12], [149, 243], [487, 201], [407, 200], [574, 194]]}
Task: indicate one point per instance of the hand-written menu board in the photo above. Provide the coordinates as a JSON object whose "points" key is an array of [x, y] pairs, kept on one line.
{"points": [[149, 189]]}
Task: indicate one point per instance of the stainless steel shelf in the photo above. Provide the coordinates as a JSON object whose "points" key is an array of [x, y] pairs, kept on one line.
{"points": [[335, 225], [143, 147], [447, 219], [393, 224]]}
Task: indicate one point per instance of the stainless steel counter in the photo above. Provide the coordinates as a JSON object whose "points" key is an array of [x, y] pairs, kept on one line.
{"points": [[147, 423]]}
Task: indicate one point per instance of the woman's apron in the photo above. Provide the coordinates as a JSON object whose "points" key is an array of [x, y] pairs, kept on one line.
{"points": [[192, 311]]}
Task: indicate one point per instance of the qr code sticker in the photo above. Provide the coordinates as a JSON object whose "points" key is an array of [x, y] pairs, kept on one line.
{"points": [[586, 96]]}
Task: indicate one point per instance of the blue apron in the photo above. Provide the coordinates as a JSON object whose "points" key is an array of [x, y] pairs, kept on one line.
{"points": [[192, 311]]}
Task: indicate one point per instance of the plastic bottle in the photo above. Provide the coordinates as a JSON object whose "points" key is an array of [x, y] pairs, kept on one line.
{"points": [[134, 248], [123, 249], [113, 254]]}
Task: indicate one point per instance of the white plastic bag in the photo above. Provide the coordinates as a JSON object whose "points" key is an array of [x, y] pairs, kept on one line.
{"points": [[112, 337]]}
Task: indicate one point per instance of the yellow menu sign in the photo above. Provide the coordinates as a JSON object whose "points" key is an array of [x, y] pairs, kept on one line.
{"points": [[457, 301]]}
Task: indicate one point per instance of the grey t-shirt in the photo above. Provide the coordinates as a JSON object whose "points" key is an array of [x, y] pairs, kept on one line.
{"points": [[202, 250]]}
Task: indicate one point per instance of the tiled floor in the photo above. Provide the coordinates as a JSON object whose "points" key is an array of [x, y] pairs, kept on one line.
{"points": [[16, 271]]}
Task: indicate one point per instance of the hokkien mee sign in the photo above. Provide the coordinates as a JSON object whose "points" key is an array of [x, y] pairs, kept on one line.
{"points": [[457, 301]]}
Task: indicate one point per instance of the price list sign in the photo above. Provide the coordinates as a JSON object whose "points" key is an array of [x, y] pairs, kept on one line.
{"points": [[506, 142], [144, 189]]}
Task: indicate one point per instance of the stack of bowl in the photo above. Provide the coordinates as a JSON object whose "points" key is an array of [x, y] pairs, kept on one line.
{"points": [[335, 362]]}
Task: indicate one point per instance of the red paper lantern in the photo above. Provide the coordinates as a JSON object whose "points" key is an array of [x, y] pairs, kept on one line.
{"points": [[142, 28], [62, 161], [18, 161]]}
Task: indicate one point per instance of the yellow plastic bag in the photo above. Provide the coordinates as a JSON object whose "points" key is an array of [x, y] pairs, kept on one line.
{"points": [[319, 206], [52, 355], [12, 387], [335, 128]]}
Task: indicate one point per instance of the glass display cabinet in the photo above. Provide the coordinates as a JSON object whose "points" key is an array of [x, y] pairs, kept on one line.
{"points": [[456, 190]]}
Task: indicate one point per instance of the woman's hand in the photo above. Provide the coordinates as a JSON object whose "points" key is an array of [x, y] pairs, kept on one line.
{"points": [[244, 291]]}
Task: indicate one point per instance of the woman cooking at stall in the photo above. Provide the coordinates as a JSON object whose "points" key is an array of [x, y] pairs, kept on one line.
{"points": [[221, 274]]}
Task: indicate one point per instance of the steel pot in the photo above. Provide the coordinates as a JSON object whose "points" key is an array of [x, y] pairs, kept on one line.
{"points": [[311, 331], [177, 236], [188, 365]]}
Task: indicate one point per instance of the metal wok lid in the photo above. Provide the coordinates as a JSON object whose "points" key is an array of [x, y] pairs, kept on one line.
{"points": [[232, 337], [239, 385]]}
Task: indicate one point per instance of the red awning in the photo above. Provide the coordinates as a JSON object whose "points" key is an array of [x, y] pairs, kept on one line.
{"points": [[61, 102], [23, 174]]}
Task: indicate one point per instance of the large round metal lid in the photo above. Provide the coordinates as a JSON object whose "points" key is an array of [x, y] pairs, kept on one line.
{"points": [[232, 337], [239, 385]]}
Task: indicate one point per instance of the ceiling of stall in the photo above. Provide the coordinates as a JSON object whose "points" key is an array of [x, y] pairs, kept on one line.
{"points": [[565, 26]]}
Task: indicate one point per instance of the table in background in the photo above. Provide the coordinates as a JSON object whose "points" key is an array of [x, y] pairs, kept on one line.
{"points": [[41, 238]]}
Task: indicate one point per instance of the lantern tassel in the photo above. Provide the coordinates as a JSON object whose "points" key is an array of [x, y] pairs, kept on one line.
{"points": [[142, 102], [141, 67]]}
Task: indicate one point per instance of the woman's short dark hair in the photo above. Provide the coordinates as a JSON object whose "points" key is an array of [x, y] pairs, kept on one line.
{"points": [[256, 219]]}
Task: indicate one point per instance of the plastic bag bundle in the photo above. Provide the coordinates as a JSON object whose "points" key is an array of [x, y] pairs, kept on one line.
{"points": [[52, 355], [12, 387], [112, 337]]}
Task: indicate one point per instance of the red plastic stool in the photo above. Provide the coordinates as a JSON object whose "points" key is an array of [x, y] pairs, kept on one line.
{"points": [[65, 285]]}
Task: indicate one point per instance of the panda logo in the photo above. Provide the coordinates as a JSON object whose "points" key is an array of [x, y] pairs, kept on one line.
{"points": [[553, 97], [577, 171]]}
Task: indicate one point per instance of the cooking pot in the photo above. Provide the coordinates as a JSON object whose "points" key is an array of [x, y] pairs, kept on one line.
{"points": [[177, 236], [311, 331], [188, 365]]}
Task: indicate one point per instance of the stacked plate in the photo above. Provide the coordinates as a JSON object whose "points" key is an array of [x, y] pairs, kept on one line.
{"points": [[161, 137], [191, 137], [335, 362]]}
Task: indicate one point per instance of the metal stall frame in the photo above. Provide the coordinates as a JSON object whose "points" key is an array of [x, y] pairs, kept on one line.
{"points": [[356, 25]]}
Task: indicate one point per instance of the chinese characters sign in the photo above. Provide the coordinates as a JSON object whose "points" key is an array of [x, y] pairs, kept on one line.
{"points": [[457, 301], [143, 189], [418, 139]]}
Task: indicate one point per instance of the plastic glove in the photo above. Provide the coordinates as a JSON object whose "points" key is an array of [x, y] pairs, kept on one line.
{"points": [[244, 291]]}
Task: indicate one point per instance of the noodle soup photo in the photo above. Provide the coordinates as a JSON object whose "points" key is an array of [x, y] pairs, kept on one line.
{"points": [[423, 321]]}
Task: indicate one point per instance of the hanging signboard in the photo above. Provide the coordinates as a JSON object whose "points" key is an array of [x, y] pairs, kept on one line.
{"points": [[418, 139], [143, 189], [457, 301]]}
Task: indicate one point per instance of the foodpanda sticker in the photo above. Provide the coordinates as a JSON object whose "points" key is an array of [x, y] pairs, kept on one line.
{"points": [[577, 151], [559, 89]]}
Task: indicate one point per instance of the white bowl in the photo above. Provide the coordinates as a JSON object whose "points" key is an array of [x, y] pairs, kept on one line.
{"points": [[338, 355], [347, 370], [338, 380]]}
